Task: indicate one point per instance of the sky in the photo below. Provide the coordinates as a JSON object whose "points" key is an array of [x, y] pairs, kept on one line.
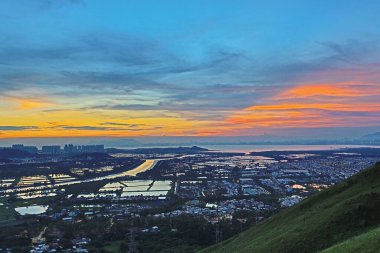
{"points": [[81, 68]]}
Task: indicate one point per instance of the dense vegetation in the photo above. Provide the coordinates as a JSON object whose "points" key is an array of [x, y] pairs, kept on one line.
{"points": [[6, 153], [330, 217], [190, 235]]}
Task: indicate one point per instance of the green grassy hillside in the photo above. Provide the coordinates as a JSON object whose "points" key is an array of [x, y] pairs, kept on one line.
{"points": [[317, 223], [366, 243]]}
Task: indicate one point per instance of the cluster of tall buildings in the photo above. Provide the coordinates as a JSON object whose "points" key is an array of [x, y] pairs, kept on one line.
{"points": [[56, 149], [29, 149], [70, 148]]}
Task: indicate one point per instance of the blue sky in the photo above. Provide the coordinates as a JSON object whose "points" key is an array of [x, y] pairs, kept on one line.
{"points": [[68, 67]]}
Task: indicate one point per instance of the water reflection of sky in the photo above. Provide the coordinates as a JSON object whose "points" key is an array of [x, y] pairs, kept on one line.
{"points": [[35, 209]]}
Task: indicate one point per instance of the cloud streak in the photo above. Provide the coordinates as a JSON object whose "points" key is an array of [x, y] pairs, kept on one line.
{"points": [[18, 128]]}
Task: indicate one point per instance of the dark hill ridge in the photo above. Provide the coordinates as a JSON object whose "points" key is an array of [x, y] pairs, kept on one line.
{"points": [[8, 153], [174, 150], [346, 210]]}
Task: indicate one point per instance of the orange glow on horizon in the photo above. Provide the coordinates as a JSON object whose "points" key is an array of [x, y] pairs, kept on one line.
{"points": [[307, 105]]}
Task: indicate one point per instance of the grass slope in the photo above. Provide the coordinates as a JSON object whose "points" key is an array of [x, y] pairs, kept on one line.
{"points": [[317, 223], [366, 243]]}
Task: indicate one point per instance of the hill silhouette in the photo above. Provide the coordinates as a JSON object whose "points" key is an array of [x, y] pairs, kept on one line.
{"points": [[8, 153]]}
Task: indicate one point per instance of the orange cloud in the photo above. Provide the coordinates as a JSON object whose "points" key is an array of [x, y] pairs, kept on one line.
{"points": [[347, 89], [313, 105], [355, 107]]}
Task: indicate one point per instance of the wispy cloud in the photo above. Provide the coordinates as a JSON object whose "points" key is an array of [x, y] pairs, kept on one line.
{"points": [[18, 128], [87, 128], [121, 124]]}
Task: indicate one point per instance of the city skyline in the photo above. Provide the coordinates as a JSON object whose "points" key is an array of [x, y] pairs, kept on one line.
{"points": [[76, 68]]}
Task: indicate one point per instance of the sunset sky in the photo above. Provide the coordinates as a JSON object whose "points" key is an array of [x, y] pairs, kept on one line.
{"points": [[71, 68]]}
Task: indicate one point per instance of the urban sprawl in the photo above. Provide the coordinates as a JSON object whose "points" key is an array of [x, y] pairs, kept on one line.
{"points": [[87, 198]]}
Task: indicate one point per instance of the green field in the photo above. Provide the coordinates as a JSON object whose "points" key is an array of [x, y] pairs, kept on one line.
{"points": [[6, 213], [330, 217], [113, 247]]}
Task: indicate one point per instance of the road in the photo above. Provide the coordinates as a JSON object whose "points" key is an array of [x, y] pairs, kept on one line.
{"points": [[147, 165]]}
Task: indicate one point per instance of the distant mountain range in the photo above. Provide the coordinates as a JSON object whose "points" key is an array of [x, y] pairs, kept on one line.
{"points": [[9, 153], [167, 141], [173, 150], [176, 141], [342, 219], [374, 136]]}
